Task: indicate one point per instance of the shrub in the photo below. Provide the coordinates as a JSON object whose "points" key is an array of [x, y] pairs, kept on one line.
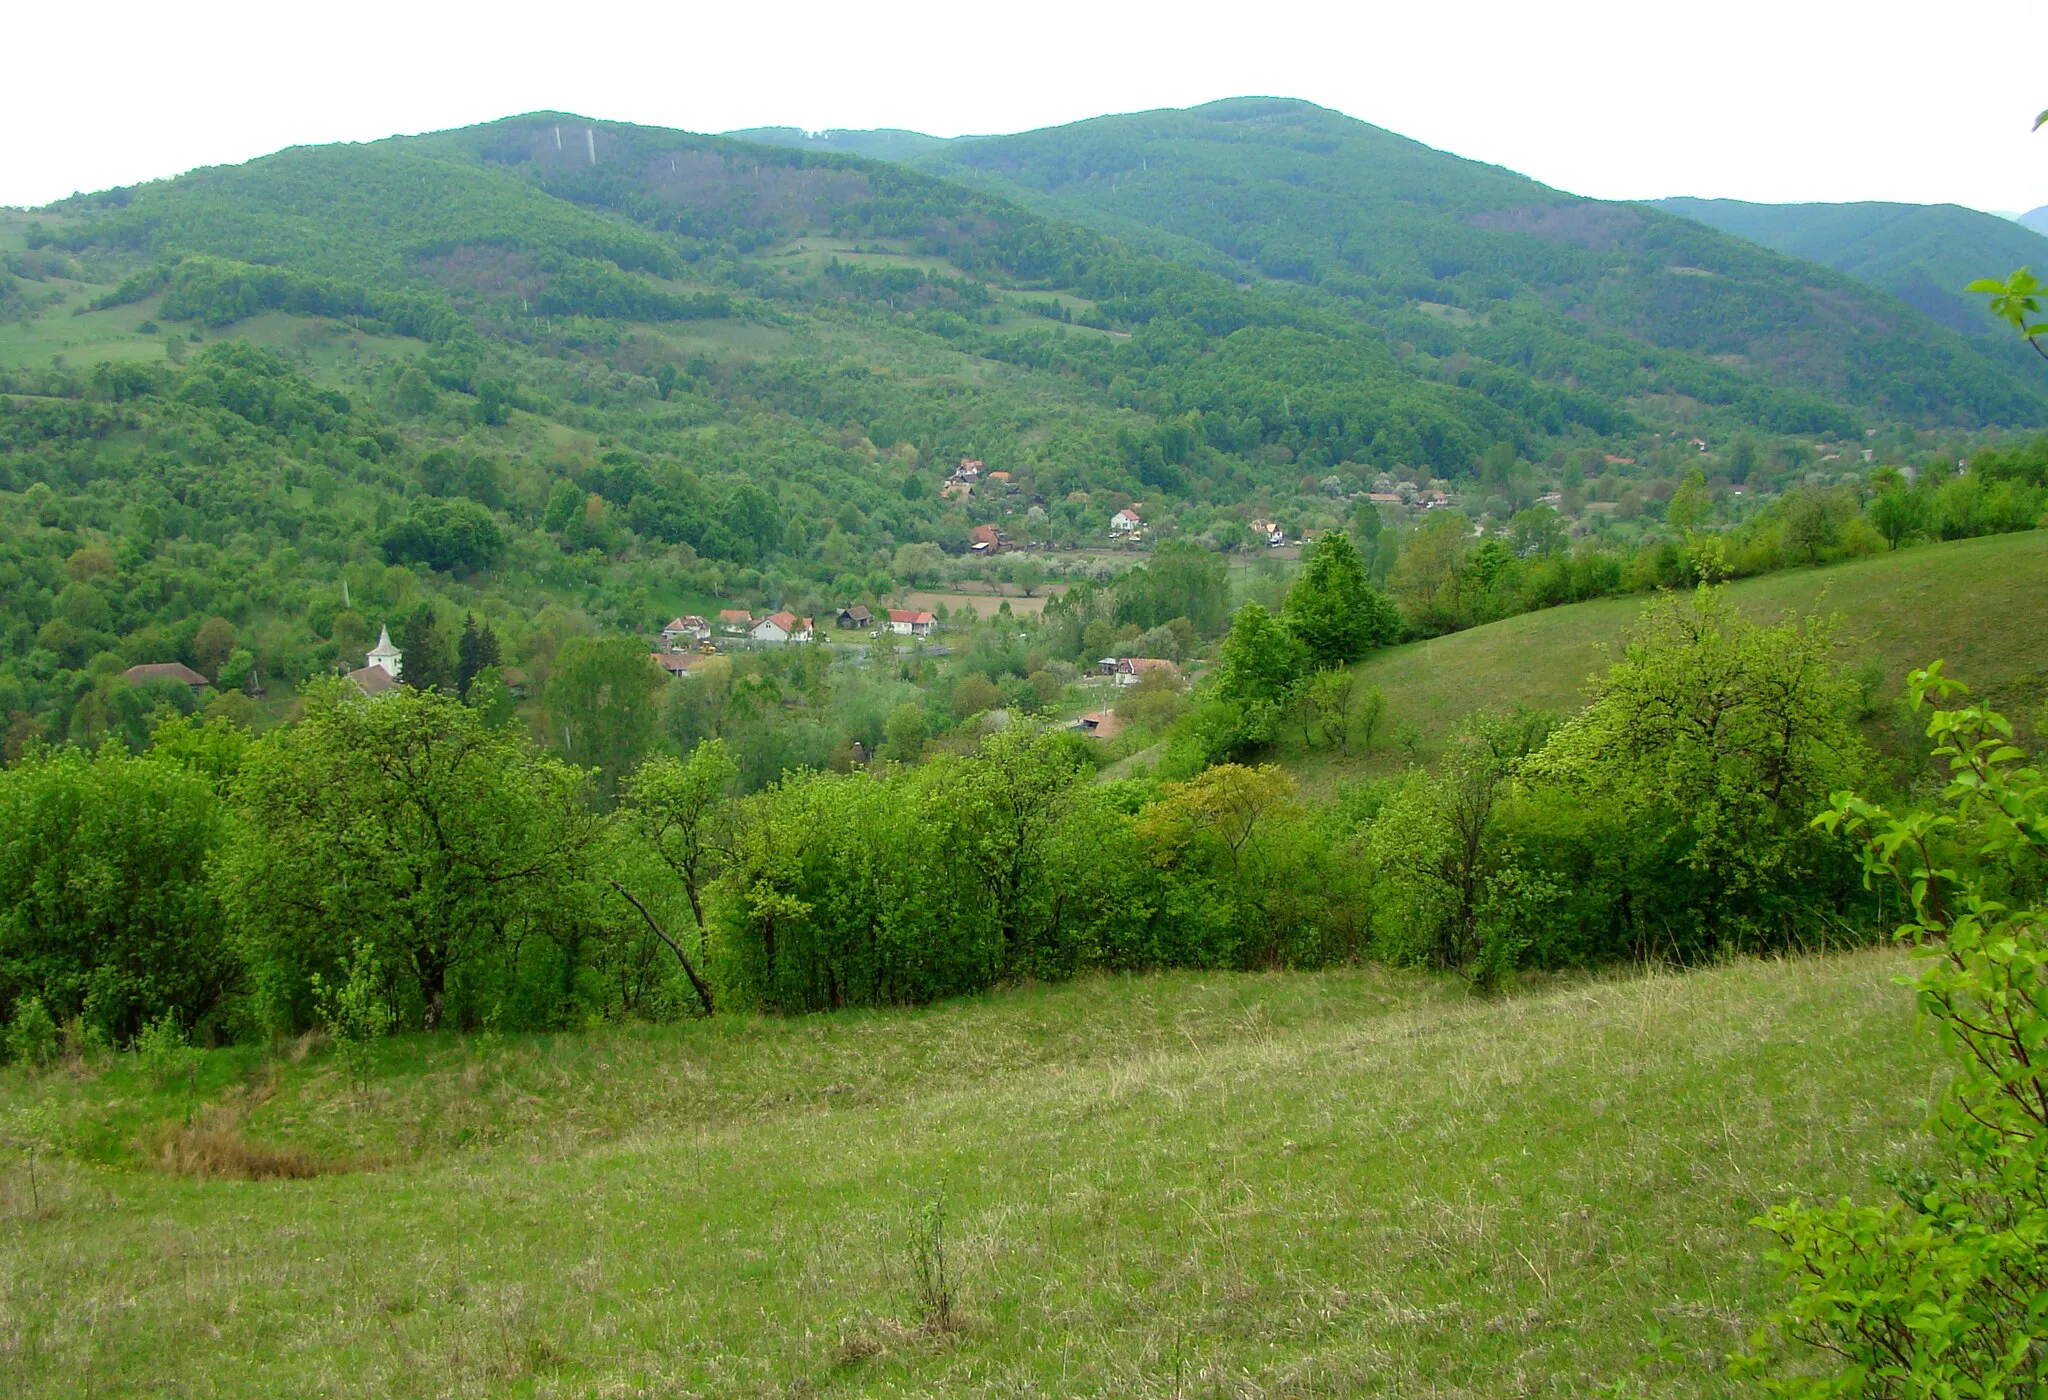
{"points": [[105, 907], [32, 1036]]}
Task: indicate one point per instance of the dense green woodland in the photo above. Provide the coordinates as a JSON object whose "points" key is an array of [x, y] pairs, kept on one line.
{"points": [[1601, 294], [1923, 254], [430, 851]]}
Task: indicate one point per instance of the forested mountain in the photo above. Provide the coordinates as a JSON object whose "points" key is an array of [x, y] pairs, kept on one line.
{"points": [[1923, 254], [576, 376], [1469, 258]]}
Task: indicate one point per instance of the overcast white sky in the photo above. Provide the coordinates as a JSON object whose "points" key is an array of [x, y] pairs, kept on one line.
{"points": [[1752, 99]]}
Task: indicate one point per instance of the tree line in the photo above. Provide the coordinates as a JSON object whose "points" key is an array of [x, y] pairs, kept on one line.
{"points": [[474, 878]]}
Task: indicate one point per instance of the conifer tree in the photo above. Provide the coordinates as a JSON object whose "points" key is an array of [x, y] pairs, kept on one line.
{"points": [[425, 664], [476, 649]]}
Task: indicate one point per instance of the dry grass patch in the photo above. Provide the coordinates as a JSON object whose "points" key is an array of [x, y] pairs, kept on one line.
{"points": [[213, 1145]]}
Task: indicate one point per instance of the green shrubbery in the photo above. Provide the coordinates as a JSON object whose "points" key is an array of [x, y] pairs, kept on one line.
{"points": [[107, 909], [418, 853]]}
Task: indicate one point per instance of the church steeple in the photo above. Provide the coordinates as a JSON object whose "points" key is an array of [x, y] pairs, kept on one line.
{"points": [[386, 657]]}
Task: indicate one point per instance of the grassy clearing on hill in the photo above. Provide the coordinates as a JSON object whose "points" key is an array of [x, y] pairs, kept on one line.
{"points": [[1344, 1183], [1978, 604]]}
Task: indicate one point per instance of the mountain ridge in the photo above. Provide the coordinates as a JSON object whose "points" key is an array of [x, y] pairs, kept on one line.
{"points": [[1924, 254]]}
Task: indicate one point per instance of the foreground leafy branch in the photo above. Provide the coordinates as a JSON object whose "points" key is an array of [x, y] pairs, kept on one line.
{"points": [[1945, 1292]]}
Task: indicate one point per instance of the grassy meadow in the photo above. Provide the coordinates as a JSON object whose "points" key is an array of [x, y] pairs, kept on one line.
{"points": [[1355, 1182], [1975, 603]]}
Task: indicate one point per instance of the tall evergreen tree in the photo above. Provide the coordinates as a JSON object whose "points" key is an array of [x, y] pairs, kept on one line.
{"points": [[425, 650], [1333, 609], [476, 649]]}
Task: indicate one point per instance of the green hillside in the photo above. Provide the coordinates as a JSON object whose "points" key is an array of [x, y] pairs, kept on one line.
{"points": [[1976, 604], [673, 369], [1355, 1182], [1923, 254], [1424, 241]]}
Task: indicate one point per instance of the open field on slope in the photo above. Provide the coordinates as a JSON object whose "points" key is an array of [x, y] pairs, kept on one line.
{"points": [[1981, 605], [1343, 1183]]}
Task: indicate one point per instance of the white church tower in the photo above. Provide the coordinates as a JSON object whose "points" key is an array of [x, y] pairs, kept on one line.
{"points": [[384, 656]]}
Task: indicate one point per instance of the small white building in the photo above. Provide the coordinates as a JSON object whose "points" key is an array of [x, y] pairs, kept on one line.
{"points": [[905, 622], [1125, 522], [386, 657]]}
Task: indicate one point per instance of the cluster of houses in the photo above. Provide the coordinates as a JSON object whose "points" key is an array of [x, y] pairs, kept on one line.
{"points": [[972, 472], [1390, 493], [1124, 671], [686, 636], [684, 633]]}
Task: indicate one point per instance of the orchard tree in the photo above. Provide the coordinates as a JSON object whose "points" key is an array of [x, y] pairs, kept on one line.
{"points": [[1259, 661], [1896, 512], [678, 808], [1690, 505], [1726, 737]]}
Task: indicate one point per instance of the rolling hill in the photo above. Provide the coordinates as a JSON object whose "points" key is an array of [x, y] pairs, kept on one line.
{"points": [[1469, 258], [1923, 254], [1976, 604]]}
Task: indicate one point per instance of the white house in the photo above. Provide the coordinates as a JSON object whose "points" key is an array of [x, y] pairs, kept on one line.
{"points": [[1125, 522], [906, 623], [782, 627]]}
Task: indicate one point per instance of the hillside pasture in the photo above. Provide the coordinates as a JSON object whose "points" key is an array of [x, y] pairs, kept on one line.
{"points": [[1353, 1182], [1977, 604]]}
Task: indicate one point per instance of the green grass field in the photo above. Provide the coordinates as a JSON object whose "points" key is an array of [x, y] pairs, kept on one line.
{"points": [[1978, 604], [1249, 1185]]}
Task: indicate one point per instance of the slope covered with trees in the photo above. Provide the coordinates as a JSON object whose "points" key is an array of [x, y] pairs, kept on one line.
{"points": [[1923, 254], [1455, 256]]}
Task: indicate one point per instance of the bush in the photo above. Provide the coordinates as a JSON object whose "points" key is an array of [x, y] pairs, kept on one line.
{"points": [[32, 1036], [106, 911]]}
